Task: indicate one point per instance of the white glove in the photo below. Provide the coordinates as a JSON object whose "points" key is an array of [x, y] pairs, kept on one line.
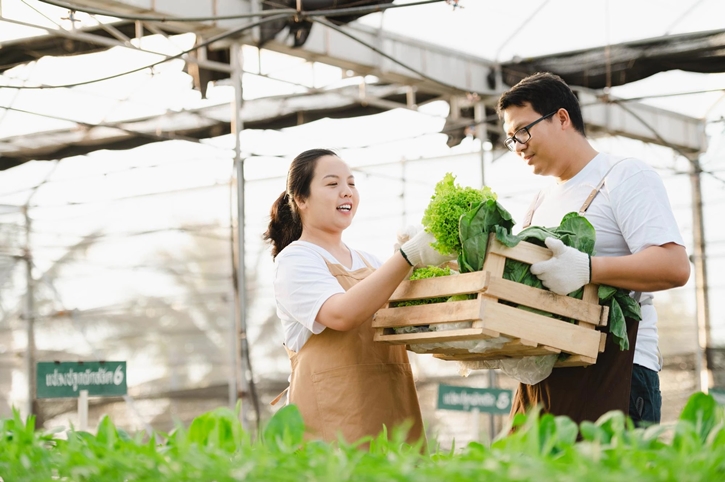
{"points": [[419, 252], [405, 234], [568, 269]]}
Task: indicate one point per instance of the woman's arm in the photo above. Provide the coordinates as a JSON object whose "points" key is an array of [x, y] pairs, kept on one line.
{"points": [[345, 311], [652, 269]]}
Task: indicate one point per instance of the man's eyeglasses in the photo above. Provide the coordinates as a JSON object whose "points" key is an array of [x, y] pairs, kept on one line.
{"points": [[522, 136]]}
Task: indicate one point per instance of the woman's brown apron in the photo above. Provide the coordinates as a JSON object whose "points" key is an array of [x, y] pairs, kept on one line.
{"points": [[346, 384], [584, 393]]}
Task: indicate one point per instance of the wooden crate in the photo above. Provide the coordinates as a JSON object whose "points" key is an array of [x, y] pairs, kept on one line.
{"points": [[531, 333]]}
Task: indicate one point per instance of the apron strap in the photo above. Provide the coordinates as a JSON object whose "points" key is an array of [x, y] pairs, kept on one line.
{"points": [[595, 191], [364, 260], [532, 209], [276, 399]]}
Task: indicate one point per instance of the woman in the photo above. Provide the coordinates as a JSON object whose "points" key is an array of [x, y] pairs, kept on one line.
{"points": [[326, 295]]}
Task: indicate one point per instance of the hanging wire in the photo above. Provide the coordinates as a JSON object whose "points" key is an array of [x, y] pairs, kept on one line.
{"points": [[206, 43]]}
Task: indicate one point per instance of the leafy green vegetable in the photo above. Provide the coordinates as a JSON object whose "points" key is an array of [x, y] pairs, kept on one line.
{"points": [[430, 272], [541, 447], [447, 205], [424, 273], [474, 226]]}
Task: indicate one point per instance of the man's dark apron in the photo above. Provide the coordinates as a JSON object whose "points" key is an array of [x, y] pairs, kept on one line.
{"points": [[583, 393]]}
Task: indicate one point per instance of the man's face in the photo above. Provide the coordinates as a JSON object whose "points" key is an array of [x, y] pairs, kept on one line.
{"points": [[539, 151]]}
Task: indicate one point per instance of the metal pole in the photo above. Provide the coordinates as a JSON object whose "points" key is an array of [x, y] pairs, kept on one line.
{"points": [[29, 315], [83, 410], [479, 114], [475, 421], [491, 416], [234, 352], [404, 165], [699, 260], [241, 321]]}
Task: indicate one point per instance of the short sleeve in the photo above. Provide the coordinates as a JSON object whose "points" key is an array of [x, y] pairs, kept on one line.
{"points": [[642, 211], [302, 284]]}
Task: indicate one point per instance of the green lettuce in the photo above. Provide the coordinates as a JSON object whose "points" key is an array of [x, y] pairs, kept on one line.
{"points": [[424, 273], [448, 203]]}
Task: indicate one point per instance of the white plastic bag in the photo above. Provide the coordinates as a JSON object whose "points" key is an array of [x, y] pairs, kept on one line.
{"points": [[472, 346], [529, 369]]}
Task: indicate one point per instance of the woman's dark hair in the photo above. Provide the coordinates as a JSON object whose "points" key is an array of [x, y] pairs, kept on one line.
{"points": [[546, 92], [285, 224]]}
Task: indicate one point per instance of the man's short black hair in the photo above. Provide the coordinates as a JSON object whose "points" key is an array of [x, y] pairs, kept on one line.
{"points": [[545, 92]]}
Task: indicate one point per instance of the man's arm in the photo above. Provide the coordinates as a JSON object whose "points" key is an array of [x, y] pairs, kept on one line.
{"points": [[653, 269]]}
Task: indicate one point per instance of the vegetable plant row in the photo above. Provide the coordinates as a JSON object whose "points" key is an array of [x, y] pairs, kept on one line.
{"points": [[216, 448]]}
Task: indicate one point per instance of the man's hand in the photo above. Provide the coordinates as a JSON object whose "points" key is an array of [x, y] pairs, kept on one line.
{"points": [[419, 252], [568, 269]]}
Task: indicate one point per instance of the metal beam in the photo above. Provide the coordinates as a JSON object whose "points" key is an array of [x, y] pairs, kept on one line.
{"points": [[642, 122], [461, 73]]}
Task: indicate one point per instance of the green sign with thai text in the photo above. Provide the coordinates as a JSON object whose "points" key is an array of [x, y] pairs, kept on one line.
{"points": [[67, 379], [488, 400]]}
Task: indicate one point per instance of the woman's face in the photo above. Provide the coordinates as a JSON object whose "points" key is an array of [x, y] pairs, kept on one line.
{"points": [[333, 198]]}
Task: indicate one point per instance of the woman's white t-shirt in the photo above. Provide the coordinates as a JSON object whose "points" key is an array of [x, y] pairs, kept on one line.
{"points": [[631, 212], [302, 284]]}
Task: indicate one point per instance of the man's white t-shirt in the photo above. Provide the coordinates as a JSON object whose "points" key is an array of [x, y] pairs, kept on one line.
{"points": [[631, 212], [302, 284]]}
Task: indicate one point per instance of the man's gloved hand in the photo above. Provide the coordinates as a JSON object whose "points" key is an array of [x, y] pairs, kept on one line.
{"points": [[568, 269], [419, 252]]}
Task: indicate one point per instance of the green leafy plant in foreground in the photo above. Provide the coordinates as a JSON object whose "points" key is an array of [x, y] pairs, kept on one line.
{"points": [[216, 448]]}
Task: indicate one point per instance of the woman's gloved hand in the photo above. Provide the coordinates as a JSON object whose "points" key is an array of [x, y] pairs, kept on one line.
{"points": [[404, 235], [567, 270], [419, 252]]}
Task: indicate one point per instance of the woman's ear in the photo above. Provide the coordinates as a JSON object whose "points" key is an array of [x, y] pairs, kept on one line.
{"points": [[300, 203]]}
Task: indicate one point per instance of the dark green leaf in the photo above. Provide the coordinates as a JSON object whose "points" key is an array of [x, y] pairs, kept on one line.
{"points": [[618, 325], [606, 292], [630, 307]]}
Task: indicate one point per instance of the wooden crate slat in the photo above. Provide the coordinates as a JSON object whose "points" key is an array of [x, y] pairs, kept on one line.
{"points": [[544, 300], [602, 342], [462, 334], [494, 264], [441, 286], [525, 252], [567, 337], [455, 311], [575, 361], [591, 294], [605, 316], [495, 354]]}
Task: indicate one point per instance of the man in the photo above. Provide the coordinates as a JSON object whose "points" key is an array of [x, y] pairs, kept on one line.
{"points": [[638, 247]]}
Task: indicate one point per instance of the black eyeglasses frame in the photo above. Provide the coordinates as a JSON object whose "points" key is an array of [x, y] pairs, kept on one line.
{"points": [[509, 142]]}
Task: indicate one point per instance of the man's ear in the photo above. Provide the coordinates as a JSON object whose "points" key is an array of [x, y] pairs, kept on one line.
{"points": [[562, 117]]}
